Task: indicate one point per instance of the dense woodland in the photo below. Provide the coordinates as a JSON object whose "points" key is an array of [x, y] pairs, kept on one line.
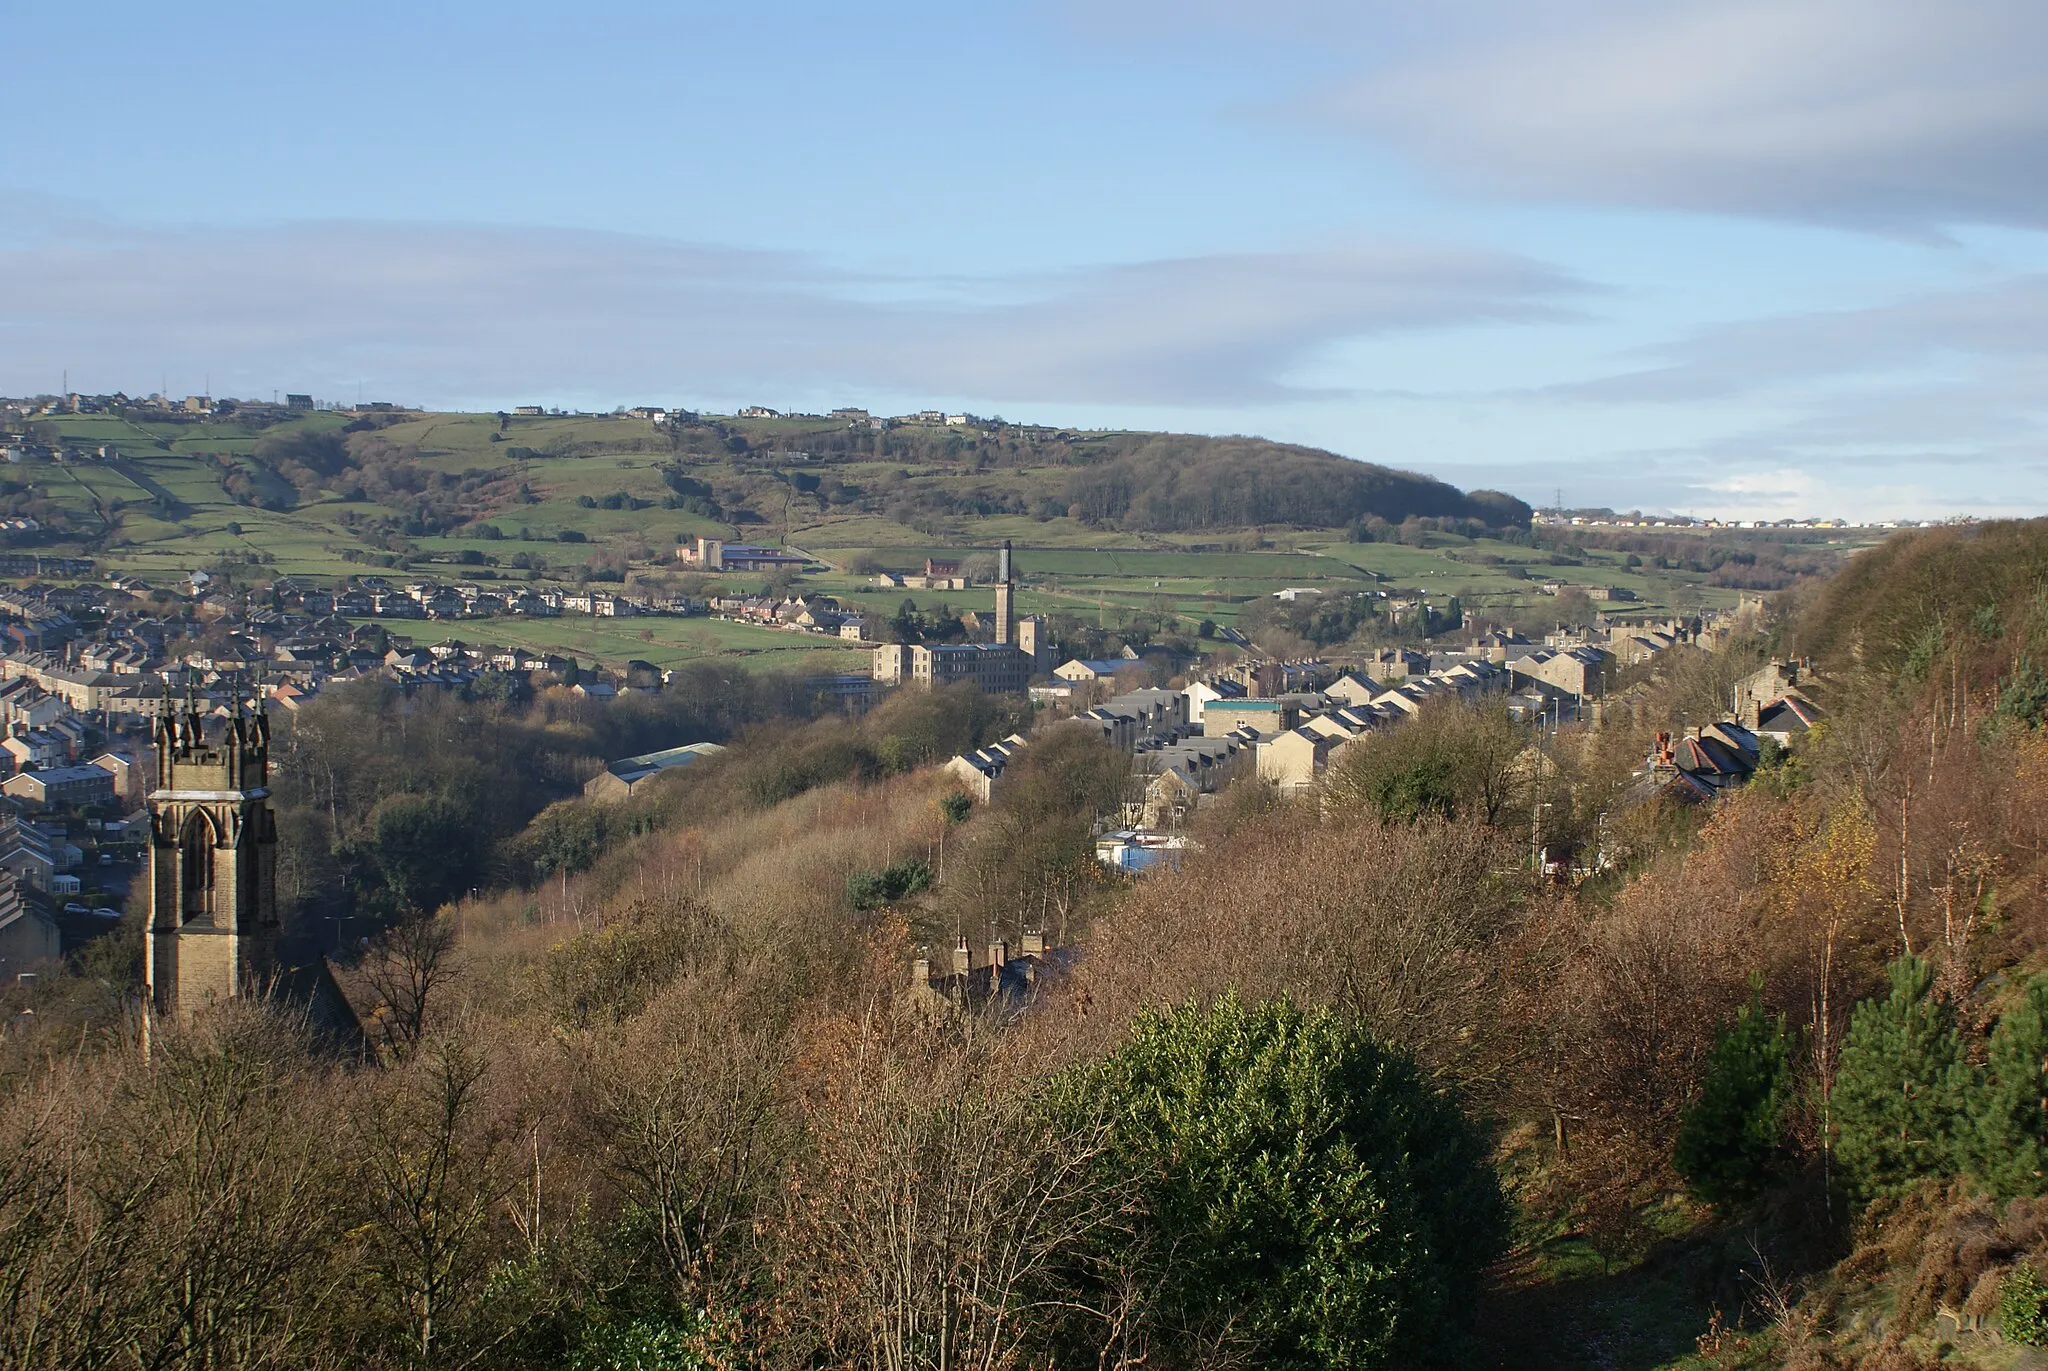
{"points": [[1335, 1094], [1144, 482], [1170, 483]]}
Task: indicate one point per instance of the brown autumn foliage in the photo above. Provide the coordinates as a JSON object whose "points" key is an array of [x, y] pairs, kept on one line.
{"points": [[1392, 923], [611, 1094], [682, 1084], [923, 1221], [175, 1216]]}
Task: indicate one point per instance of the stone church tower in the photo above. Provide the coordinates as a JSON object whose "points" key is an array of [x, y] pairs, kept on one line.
{"points": [[212, 863]]}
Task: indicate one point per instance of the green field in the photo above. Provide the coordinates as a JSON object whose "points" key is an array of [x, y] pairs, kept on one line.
{"points": [[664, 642], [154, 499]]}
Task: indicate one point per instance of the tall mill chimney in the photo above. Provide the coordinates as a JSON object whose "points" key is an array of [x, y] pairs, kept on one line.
{"points": [[1006, 619]]}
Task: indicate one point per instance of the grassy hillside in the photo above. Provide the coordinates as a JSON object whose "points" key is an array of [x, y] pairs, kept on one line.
{"points": [[1108, 525]]}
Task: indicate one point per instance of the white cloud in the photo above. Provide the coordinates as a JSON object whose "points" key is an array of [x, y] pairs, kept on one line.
{"points": [[1937, 403], [445, 313], [1899, 115], [1918, 338]]}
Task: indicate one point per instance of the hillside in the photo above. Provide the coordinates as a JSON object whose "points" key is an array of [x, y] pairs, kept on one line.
{"points": [[1687, 1109], [1111, 527], [790, 472], [1129, 482]]}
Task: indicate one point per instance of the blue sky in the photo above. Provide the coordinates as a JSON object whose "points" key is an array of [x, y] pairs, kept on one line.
{"points": [[1751, 257]]}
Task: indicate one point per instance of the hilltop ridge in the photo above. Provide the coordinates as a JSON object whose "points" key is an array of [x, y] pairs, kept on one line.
{"points": [[794, 470]]}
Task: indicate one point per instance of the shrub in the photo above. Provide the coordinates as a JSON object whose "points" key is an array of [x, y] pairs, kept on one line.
{"points": [[2024, 700], [565, 837], [649, 1344], [872, 889], [1308, 1200], [2023, 1307], [1729, 1139]]}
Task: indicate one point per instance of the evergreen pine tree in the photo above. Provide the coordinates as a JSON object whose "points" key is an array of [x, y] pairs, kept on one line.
{"points": [[1901, 1088], [2011, 1142], [1730, 1136]]}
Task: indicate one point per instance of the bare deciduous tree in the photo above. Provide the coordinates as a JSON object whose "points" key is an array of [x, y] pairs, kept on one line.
{"points": [[683, 1111], [436, 1163], [1387, 921], [174, 1215], [930, 1220], [404, 969]]}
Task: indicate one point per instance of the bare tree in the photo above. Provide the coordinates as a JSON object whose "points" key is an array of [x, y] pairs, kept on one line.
{"points": [[178, 1214], [929, 1226], [1389, 921], [683, 1110], [436, 1163], [405, 968]]}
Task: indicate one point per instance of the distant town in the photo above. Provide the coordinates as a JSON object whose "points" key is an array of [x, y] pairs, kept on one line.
{"points": [[90, 670]]}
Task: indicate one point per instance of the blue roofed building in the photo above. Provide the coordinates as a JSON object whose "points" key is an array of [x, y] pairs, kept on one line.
{"points": [[619, 779]]}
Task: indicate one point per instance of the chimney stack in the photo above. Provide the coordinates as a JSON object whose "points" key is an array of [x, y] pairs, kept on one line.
{"points": [[1034, 942], [998, 954], [963, 958], [1006, 630], [1004, 627]]}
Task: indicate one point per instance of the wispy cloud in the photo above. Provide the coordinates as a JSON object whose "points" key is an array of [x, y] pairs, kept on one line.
{"points": [[1896, 115], [445, 313], [1934, 403], [1920, 337]]}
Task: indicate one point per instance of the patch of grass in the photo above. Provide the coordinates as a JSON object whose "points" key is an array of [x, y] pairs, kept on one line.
{"points": [[665, 642], [1566, 1306]]}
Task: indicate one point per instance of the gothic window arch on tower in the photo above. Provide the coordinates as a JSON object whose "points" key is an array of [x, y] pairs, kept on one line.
{"points": [[195, 863]]}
